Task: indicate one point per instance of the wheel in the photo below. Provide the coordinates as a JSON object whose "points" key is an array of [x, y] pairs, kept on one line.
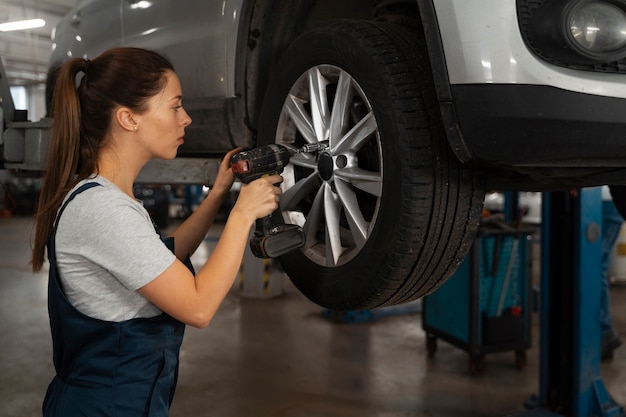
{"points": [[387, 211]]}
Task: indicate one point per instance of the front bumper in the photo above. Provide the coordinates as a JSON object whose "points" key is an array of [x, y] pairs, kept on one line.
{"points": [[512, 125]]}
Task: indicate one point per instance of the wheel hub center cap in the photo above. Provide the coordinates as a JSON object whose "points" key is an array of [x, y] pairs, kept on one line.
{"points": [[325, 166]]}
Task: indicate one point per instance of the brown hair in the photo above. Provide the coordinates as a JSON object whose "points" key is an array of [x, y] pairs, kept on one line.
{"points": [[82, 116]]}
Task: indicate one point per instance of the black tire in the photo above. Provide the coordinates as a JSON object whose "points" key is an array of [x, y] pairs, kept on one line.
{"points": [[413, 208]]}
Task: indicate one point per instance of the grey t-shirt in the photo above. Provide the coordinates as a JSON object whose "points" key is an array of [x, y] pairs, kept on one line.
{"points": [[107, 249]]}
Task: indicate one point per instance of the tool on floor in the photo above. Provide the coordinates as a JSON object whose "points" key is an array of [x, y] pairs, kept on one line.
{"points": [[270, 239]]}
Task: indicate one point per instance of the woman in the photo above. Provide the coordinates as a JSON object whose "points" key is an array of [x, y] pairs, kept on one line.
{"points": [[120, 295]]}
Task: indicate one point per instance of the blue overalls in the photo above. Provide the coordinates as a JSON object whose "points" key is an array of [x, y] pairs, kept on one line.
{"points": [[105, 368]]}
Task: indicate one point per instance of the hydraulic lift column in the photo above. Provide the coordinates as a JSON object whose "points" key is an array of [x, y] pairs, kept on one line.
{"points": [[569, 371]]}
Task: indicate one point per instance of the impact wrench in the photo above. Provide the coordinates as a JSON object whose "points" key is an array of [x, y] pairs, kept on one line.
{"points": [[270, 240]]}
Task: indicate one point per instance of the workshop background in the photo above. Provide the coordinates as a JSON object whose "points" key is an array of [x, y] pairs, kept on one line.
{"points": [[270, 351]]}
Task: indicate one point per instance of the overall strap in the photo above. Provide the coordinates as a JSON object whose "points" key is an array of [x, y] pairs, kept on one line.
{"points": [[79, 190]]}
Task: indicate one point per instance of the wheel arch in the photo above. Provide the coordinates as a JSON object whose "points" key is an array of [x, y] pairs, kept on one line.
{"points": [[265, 30], [268, 27], [439, 68]]}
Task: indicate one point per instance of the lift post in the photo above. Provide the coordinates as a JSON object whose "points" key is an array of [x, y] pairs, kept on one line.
{"points": [[570, 383]]}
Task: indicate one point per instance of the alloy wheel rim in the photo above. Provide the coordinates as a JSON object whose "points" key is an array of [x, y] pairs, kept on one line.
{"points": [[334, 194]]}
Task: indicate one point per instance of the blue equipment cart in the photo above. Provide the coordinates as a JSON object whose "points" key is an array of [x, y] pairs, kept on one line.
{"points": [[485, 306]]}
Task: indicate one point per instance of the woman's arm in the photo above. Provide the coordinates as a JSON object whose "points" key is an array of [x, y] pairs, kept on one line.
{"points": [[190, 234], [195, 301]]}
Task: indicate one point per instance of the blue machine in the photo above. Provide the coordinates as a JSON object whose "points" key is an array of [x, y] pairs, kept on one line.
{"points": [[485, 306]]}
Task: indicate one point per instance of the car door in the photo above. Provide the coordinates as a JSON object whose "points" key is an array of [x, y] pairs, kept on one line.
{"points": [[198, 36]]}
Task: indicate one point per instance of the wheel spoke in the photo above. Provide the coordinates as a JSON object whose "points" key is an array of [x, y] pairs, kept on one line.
{"points": [[341, 107], [359, 134], [304, 160], [290, 198], [332, 211], [358, 225], [370, 182], [319, 104], [295, 108], [313, 220]]}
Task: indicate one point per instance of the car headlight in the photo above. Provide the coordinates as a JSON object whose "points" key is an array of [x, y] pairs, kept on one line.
{"points": [[597, 28], [581, 34]]}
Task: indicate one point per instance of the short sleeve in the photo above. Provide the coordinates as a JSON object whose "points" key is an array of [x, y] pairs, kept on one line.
{"points": [[113, 231]]}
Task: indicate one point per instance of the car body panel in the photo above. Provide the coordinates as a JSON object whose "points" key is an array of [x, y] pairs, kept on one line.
{"points": [[529, 124], [200, 38], [203, 32], [523, 127], [483, 48], [89, 28]]}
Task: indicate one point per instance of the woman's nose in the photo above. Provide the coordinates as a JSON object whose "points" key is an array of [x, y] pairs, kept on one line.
{"points": [[187, 120]]}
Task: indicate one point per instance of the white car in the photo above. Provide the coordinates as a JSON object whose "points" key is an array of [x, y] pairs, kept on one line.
{"points": [[423, 104]]}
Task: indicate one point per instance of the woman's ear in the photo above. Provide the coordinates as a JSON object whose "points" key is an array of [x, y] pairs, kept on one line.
{"points": [[124, 118]]}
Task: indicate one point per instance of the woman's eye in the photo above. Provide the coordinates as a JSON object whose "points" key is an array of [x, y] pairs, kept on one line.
{"points": [[178, 107]]}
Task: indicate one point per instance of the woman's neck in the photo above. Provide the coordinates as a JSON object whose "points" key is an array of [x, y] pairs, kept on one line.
{"points": [[120, 168]]}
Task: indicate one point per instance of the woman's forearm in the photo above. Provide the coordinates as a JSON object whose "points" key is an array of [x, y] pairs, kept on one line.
{"points": [[215, 279], [190, 234]]}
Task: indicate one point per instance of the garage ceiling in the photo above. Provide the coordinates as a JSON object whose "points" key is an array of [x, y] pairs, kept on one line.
{"points": [[25, 53]]}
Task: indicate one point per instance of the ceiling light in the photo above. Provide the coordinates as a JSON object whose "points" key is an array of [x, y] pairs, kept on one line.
{"points": [[140, 4], [22, 24]]}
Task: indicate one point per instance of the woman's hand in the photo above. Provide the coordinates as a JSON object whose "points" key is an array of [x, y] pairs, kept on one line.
{"points": [[225, 177], [259, 198]]}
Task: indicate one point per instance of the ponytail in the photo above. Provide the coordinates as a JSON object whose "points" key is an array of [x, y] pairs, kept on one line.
{"points": [[63, 155]]}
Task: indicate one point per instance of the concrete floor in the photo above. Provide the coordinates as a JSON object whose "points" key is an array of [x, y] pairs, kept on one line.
{"points": [[278, 357]]}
